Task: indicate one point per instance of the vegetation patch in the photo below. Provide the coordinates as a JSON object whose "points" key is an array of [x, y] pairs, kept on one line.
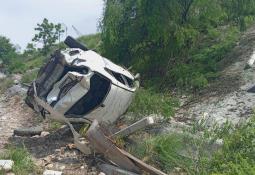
{"points": [[29, 76], [5, 84], [23, 163], [148, 102], [195, 155]]}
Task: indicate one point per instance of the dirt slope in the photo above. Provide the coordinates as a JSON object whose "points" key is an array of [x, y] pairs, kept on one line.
{"points": [[227, 98]]}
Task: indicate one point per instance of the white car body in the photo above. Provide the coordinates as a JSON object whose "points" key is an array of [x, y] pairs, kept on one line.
{"points": [[103, 92]]}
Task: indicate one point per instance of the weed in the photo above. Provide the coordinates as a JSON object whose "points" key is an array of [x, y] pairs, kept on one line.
{"points": [[23, 163]]}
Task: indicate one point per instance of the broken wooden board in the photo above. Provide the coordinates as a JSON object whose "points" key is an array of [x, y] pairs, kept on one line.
{"points": [[123, 159], [105, 146], [134, 127], [142, 165]]}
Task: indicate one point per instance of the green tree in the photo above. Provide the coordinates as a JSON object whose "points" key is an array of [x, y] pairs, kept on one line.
{"points": [[7, 50], [238, 10], [48, 34]]}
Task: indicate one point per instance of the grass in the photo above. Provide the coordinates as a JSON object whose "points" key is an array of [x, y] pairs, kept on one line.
{"points": [[5, 84], [235, 157], [54, 125], [29, 76], [23, 163], [148, 102]]}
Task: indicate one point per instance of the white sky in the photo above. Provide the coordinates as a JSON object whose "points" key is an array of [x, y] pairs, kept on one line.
{"points": [[18, 18]]}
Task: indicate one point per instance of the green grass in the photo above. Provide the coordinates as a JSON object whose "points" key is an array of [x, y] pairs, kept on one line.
{"points": [[54, 125], [23, 163], [29, 76], [148, 102]]}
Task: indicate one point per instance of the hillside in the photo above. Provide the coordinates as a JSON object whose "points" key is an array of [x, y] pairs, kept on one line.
{"points": [[227, 99]]}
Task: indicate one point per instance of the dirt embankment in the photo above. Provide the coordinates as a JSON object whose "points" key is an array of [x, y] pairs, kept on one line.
{"points": [[226, 99]]}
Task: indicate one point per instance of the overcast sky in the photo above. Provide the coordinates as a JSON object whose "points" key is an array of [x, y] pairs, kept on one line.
{"points": [[18, 18]]}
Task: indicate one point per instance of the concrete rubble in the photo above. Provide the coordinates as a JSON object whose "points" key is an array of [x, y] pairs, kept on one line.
{"points": [[6, 165], [52, 172]]}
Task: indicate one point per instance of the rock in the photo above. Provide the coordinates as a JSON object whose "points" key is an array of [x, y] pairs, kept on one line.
{"points": [[44, 133], [52, 172], [16, 82], [6, 165], [10, 173], [62, 167], [16, 90], [50, 165], [2, 76]]}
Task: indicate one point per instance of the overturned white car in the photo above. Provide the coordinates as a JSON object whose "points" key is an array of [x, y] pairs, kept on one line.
{"points": [[79, 83]]}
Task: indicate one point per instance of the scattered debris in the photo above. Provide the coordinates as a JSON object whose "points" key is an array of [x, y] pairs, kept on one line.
{"points": [[6, 165]]}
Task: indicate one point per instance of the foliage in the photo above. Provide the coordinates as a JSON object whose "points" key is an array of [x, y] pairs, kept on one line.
{"points": [[7, 50], [180, 40], [148, 102], [92, 41], [23, 163], [48, 34], [237, 155]]}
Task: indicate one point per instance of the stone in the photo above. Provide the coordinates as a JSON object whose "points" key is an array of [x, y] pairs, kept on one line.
{"points": [[52, 172], [6, 165], [44, 133]]}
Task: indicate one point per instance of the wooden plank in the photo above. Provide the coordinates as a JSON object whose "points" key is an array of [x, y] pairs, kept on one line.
{"points": [[142, 165], [105, 146], [120, 157], [134, 127]]}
